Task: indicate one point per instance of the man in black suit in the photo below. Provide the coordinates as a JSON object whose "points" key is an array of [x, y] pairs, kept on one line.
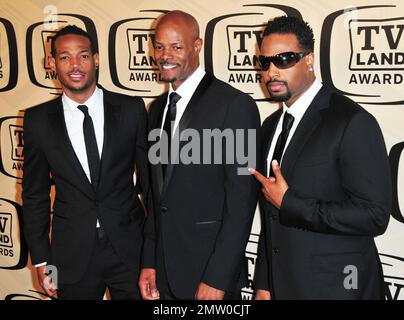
{"points": [[331, 196], [88, 141], [195, 237]]}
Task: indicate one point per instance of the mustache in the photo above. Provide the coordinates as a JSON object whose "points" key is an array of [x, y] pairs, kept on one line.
{"points": [[76, 71], [167, 62]]}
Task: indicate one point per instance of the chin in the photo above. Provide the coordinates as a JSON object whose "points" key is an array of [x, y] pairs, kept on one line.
{"points": [[280, 98], [168, 80]]}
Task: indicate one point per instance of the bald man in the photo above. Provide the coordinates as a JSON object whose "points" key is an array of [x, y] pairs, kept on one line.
{"points": [[197, 231]]}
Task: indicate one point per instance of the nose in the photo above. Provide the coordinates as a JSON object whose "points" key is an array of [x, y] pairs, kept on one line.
{"points": [[166, 53], [75, 61], [272, 71]]}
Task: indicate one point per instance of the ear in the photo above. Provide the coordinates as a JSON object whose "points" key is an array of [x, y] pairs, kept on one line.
{"points": [[96, 59], [198, 45], [52, 62], [310, 60]]}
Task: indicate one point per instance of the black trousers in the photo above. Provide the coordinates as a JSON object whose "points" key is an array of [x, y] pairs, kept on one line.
{"points": [[104, 271], [163, 284]]}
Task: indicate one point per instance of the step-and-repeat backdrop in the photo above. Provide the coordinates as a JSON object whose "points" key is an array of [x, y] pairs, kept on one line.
{"points": [[359, 51]]}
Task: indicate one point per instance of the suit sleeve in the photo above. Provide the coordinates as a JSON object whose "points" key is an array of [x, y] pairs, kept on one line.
{"points": [[241, 193], [366, 181], [35, 195], [142, 166], [261, 280], [149, 232]]}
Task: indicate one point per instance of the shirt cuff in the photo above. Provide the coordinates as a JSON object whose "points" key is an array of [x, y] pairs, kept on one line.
{"points": [[40, 264]]}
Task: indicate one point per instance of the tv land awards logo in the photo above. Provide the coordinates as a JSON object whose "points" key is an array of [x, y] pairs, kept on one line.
{"points": [[131, 57], [251, 254], [38, 46], [13, 251], [393, 267], [232, 45], [8, 56], [1, 64], [11, 146], [374, 58]]}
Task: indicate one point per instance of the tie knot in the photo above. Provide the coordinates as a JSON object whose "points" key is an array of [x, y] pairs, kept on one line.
{"points": [[174, 98], [83, 108], [287, 121]]}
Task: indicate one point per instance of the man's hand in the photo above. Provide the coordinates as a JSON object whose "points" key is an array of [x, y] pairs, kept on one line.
{"points": [[46, 282], [147, 284], [206, 292], [273, 188], [262, 295]]}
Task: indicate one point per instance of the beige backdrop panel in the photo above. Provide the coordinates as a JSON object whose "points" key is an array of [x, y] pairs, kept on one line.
{"points": [[358, 49]]}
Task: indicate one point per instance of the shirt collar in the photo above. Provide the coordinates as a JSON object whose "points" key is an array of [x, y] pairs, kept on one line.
{"points": [[92, 102], [188, 87], [300, 106]]}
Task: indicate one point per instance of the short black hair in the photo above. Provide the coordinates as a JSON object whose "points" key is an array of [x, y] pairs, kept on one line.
{"points": [[72, 29], [294, 25]]}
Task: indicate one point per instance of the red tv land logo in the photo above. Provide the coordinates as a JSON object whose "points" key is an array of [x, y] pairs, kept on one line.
{"points": [[13, 250], [370, 48], [11, 146], [132, 64], [38, 47], [232, 45], [8, 56]]}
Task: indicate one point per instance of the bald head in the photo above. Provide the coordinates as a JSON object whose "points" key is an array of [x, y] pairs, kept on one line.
{"points": [[177, 46], [183, 20]]}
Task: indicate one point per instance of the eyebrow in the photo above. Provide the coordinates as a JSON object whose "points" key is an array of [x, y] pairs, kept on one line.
{"points": [[82, 51]]}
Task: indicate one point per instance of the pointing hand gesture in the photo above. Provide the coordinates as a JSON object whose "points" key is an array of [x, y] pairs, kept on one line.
{"points": [[273, 188]]}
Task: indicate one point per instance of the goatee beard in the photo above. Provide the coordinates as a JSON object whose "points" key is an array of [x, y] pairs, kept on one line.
{"points": [[279, 98], [282, 98]]}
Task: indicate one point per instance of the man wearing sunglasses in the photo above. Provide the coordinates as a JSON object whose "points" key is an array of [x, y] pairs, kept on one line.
{"points": [[326, 189]]}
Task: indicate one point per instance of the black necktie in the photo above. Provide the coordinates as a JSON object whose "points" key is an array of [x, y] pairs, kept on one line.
{"points": [[282, 138], [169, 123], [93, 156]]}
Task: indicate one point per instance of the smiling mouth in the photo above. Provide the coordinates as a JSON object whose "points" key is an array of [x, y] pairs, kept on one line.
{"points": [[76, 76], [168, 66]]}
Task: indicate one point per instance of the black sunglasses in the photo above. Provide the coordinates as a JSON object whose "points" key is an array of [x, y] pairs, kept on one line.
{"points": [[283, 60]]}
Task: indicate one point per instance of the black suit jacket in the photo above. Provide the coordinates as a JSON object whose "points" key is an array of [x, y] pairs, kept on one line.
{"points": [[48, 153], [203, 212], [338, 200]]}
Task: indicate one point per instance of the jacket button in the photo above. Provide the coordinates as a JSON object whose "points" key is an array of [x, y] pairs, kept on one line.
{"points": [[276, 250], [274, 217], [164, 209]]}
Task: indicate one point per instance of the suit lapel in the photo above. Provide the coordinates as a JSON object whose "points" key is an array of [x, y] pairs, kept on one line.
{"points": [[268, 137], [306, 127], [58, 125], [112, 112], [186, 119]]}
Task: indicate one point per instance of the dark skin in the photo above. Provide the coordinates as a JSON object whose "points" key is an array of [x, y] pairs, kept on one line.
{"points": [[286, 85], [76, 66], [176, 48]]}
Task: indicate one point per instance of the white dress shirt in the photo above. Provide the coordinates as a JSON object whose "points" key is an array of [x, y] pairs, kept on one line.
{"points": [[186, 91], [297, 110]]}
